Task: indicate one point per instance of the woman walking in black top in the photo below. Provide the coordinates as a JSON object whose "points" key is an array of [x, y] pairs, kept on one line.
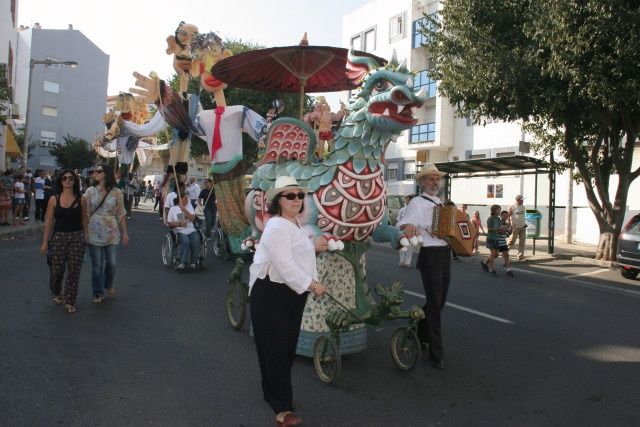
{"points": [[66, 216]]}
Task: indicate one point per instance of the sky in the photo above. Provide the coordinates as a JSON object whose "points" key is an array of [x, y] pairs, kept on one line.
{"points": [[133, 33]]}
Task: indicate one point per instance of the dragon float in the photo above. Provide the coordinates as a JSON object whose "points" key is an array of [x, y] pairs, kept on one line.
{"points": [[346, 197]]}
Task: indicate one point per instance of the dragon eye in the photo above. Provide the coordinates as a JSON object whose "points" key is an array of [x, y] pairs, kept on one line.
{"points": [[381, 86]]}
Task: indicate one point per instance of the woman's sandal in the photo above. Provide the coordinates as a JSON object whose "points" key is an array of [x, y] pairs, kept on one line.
{"points": [[97, 299], [111, 291], [57, 299], [69, 308]]}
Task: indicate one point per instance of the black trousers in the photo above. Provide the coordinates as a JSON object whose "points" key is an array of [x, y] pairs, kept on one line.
{"points": [[276, 315], [40, 208], [434, 263]]}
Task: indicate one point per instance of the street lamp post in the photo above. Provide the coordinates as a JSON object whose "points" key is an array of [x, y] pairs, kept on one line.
{"points": [[32, 64]]}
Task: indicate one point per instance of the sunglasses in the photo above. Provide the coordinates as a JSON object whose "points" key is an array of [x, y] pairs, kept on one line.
{"points": [[292, 196], [99, 171], [68, 178]]}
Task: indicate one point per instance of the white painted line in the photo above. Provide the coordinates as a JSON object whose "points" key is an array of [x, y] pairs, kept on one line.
{"points": [[605, 288], [602, 270], [468, 310]]}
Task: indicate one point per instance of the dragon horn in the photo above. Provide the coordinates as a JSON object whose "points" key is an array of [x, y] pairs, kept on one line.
{"points": [[402, 68], [394, 60], [369, 62]]}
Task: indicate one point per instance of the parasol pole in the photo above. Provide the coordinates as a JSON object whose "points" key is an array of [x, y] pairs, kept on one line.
{"points": [[303, 83]]}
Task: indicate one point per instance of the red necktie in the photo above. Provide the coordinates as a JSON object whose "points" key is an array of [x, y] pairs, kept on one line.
{"points": [[217, 139]]}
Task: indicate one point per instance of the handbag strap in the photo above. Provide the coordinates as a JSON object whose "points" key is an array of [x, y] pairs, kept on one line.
{"points": [[101, 202]]}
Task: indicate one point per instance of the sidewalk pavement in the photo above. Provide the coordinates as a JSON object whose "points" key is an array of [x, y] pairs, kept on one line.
{"points": [[30, 227]]}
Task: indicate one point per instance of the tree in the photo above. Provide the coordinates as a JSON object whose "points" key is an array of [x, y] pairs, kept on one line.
{"points": [[75, 153], [256, 100], [567, 68]]}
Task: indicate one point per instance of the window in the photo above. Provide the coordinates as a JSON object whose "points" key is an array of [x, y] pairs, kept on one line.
{"points": [[409, 170], [397, 27], [356, 42], [365, 40], [392, 174], [50, 111], [423, 79], [52, 87], [477, 156], [369, 40], [422, 25], [423, 133], [506, 154]]}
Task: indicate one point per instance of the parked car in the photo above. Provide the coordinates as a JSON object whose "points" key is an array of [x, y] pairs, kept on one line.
{"points": [[395, 202], [629, 249]]}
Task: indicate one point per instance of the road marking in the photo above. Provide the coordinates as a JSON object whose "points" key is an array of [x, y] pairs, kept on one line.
{"points": [[584, 283], [468, 310], [589, 273]]}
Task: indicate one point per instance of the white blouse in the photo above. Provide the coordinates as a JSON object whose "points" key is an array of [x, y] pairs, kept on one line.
{"points": [[286, 253]]}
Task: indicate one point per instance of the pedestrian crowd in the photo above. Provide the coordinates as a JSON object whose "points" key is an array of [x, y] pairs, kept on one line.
{"points": [[89, 217]]}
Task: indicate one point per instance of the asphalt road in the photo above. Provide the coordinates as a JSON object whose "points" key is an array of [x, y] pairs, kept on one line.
{"points": [[556, 345]]}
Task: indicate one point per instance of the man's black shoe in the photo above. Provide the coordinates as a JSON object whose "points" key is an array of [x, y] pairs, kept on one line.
{"points": [[484, 266], [436, 364]]}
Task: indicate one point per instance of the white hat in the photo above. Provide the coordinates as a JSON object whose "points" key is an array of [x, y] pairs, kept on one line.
{"points": [[428, 169], [283, 183]]}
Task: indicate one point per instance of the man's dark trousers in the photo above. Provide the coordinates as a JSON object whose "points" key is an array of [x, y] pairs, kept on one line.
{"points": [[434, 263]]}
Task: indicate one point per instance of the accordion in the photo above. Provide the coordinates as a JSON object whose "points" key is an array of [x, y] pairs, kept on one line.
{"points": [[453, 226]]}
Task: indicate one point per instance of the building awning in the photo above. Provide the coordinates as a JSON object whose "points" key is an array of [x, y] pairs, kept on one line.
{"points": [[12, 148], [494, 164]]}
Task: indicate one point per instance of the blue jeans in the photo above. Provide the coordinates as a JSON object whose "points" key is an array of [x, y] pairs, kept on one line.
{"points": [[210, 220], [103, 267], [189, 243]]}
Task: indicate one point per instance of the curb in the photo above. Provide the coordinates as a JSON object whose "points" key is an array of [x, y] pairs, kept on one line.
{"points": [[591, 261], [20, 233]]}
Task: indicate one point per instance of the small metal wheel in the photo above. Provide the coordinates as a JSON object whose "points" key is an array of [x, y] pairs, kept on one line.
{"points": [[326, 359], [219, 243], [203, 249], [405, 348], [236, 304], [167, 251]]}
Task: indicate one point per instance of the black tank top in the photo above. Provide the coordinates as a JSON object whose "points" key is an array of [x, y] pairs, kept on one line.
{"points": [[67, 219]]}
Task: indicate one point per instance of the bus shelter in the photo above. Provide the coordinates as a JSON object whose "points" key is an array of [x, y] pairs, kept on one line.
{"points": [[507, 166]]}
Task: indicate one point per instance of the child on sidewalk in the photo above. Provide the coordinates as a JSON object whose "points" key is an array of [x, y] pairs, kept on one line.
{"points": [[505, 231], [493, 234], [477, 223]]}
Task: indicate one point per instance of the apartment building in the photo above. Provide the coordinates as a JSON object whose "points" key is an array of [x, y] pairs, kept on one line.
{"points": [[56, 96], [384, 26]]}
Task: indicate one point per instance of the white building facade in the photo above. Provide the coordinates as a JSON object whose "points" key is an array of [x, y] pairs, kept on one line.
{"points": [[382, 26]]}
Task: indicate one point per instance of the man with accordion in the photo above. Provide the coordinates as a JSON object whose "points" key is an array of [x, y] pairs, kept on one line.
{"points": [[434, 259]]}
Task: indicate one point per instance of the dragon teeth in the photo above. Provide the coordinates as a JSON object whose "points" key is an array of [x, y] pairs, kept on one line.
{"points": [[385, 112], [400, 108]]}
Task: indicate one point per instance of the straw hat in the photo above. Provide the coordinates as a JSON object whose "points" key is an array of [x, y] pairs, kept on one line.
{"points": [[283, 183], [428, 169]]}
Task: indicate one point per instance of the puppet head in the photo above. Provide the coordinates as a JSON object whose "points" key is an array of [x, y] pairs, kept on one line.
{"points": [[206, 50]]}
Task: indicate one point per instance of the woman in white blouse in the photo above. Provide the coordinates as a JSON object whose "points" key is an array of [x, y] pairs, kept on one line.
{"points": [[282, 274]]}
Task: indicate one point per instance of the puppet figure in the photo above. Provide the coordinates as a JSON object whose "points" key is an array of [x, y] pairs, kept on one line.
{"points": [[179, 45], [322, 120], [206, 51]]}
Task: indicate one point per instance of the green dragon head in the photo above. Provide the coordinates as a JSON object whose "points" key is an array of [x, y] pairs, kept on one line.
{"points": [[386, 98]]}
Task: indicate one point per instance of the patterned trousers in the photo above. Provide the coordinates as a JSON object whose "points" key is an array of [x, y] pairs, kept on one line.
{"points": [[67, 253]]}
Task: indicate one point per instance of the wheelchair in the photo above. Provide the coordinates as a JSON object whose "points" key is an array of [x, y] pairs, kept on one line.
{"points": [[171, 247]]}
